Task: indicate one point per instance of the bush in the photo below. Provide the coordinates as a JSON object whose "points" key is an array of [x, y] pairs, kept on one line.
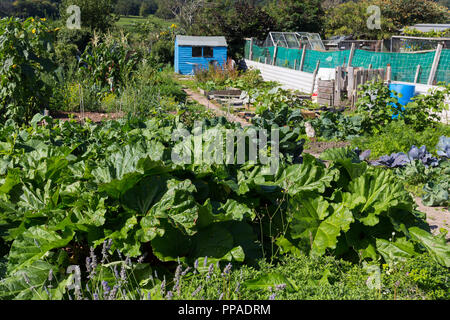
{"points": [[162, 52]]}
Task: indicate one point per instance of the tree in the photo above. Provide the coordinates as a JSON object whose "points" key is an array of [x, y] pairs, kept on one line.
{"points": [[350, 18], [293, 15], [95, 14], [148, 7], [235, 20], [35, 8], [404, 13]]}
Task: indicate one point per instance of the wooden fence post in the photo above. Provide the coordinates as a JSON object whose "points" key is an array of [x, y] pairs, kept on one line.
{"points": [[337, 86], [388, 73], [315, 75], [352, 53], [435, 65], [275, 52], [350, 83], [416, 77], [302, 60], [250, 56]]}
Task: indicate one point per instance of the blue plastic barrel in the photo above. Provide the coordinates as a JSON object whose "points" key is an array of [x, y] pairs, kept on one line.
{"points": [[406, 91]]}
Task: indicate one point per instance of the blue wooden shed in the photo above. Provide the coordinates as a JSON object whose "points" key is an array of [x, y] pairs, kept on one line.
{"points": [[193, 52]]}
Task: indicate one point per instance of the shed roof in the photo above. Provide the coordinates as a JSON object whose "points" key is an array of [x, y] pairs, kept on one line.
{"points": [[202, 41]]}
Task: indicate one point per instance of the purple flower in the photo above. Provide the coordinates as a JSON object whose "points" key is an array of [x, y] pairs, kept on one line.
{"points": [[272, 296], [185, 271], [163, 286], [210, 271], [226, 270], [196, 264], [123, 273], [88, 264], [205, 261], [169, 295], [196, 291], [105, 286], [104, 252], [281, 286]]}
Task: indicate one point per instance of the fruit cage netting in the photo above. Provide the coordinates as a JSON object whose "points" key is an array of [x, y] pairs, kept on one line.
{"points": [[404, 65]]}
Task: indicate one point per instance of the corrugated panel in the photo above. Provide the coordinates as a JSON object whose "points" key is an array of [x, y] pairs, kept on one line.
{"points": [[288, 78], [201, 41], [186, 62]]}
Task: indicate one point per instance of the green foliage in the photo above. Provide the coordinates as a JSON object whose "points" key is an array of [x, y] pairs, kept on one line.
{"points": [[25, 49], [295, 16], [397, 136], [97, 15], [336, 125], [350, 18], [108, 64], [425, 110], [408, 31], [374, 105], [219, 18]]}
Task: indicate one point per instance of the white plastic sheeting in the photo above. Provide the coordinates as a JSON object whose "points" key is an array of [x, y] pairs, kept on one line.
{"points": [[288, 78]]}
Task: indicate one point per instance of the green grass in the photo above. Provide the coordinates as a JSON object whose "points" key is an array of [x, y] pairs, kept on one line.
{"points": [[127, 21]]}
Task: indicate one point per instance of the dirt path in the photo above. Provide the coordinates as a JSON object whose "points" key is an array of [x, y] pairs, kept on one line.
{"points": [[214, 107], [437, 217]]}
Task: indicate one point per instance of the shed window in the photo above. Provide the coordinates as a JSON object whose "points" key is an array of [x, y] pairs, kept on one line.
{"points": [[196, 51], [208, 52]]}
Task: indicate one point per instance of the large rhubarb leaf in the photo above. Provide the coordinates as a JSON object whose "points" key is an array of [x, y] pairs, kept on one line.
{"points": [[33, 244], [438, 248], [308, 176], [375, 193]]}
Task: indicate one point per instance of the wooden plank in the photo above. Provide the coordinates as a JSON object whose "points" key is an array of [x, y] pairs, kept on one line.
{"points": [[435, 64], [325, 83], [326, 89], [325, 95], [251, 50], [365, 76], [416, 77], [324, 101]]}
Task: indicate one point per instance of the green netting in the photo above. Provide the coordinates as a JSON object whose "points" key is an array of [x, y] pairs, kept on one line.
{"points": [[288, 58], [262, 54], [404, 65], [328, 59], [443, 70]]}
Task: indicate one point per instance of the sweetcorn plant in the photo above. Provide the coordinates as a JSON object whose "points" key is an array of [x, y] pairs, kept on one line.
{"points": [[108, 63], [25, 48]]}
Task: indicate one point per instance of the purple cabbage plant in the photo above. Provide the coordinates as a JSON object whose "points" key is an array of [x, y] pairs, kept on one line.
{"points": [[423, 155], [395, 160], [443, 147]]}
